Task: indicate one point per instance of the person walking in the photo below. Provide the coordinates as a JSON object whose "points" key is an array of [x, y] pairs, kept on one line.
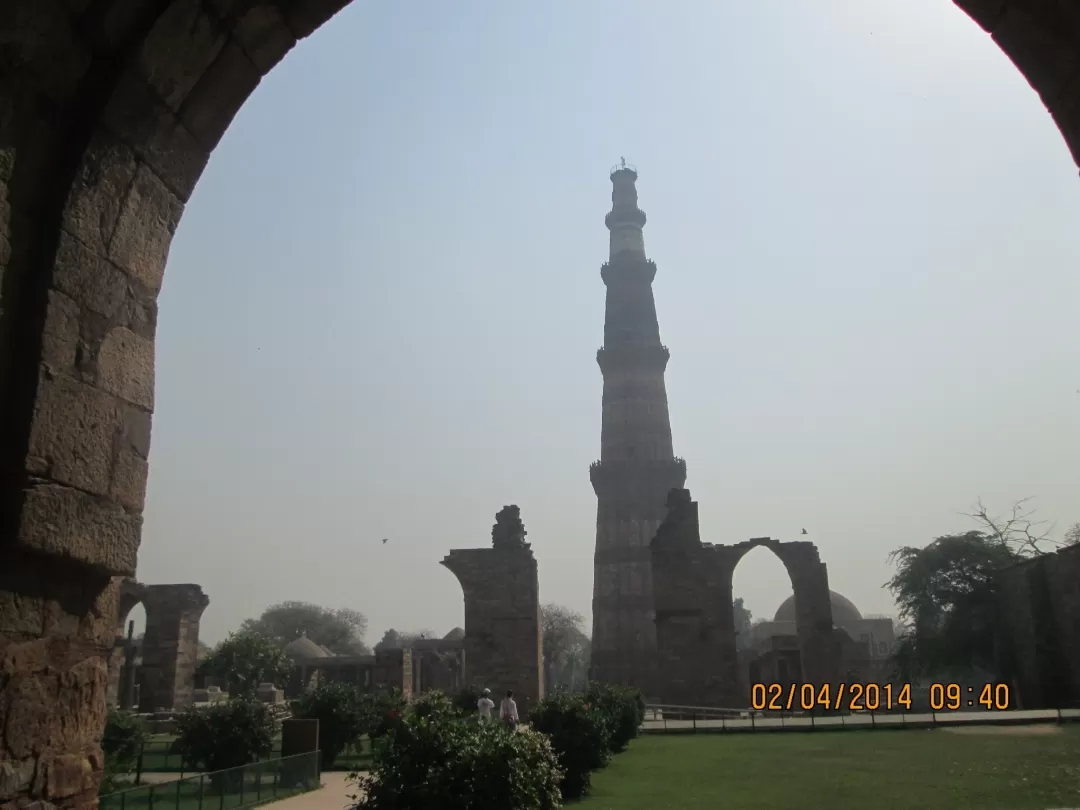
{"points": [[484, 706], [508, 710]]}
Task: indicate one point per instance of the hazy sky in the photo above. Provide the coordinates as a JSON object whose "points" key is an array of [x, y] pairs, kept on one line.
{"points": [[383, 304]]}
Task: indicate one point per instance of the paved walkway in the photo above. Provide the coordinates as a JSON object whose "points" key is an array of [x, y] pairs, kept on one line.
{"points": [[334, 795]]}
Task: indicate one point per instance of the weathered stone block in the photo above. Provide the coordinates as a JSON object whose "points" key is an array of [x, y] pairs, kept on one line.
{"points": [[129, 480], [93, 205], [73, 431], [178, 50], [304, 18], [126, 367], [15, 777], [74, 525], [60, 340], [259, 27], [145, 227], [219, 95], [68, 774], [87, 278], [136, 435], [140, 118]]}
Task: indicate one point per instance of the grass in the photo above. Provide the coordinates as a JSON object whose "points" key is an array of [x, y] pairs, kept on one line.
{"points": [[914, 769]]}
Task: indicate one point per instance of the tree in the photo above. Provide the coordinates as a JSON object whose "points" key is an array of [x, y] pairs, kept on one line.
{"points": [[1018, 531], [743, 624], [340, 630], [341, 714], [947, 594], [225, 735], [561, 628], [244, 660], [1072, 535]]}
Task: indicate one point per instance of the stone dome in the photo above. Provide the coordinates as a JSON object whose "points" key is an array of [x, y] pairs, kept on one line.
{"points": [[844, 612], [304, 649], [455, 635]]}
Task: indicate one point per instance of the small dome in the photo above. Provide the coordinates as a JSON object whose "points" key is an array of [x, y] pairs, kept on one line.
{"points": [[304, 649], [844, 611], [455, 635]]}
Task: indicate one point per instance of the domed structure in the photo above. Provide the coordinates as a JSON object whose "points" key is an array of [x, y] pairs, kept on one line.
{"points": [[457, 634], [304, 649], [844, 612]]}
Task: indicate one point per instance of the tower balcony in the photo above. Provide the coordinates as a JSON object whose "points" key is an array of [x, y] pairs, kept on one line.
{"points": [[637, 478], [628, 269], [636, 358], [625, 216]]}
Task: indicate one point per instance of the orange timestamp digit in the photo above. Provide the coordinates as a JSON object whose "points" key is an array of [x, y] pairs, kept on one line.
{"points": [[854, 697], [954, 697]]}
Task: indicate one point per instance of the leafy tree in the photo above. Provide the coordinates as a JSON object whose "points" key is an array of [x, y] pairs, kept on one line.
{"points": [[341, 713], [244, 660], [562, 632], [381, 711], [225, 735], [947, 594], [743, 623], [340, 630]]}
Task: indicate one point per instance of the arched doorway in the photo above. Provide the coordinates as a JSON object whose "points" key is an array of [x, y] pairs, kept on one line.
{"points": [[108, 114]]}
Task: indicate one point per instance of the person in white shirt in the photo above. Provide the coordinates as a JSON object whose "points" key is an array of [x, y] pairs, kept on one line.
{"points": [[508, 710], [484, 705]]}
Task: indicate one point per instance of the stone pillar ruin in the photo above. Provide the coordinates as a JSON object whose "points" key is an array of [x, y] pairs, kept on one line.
{"points": [[695, 620], [502, 645], [170, 647], [394, 667]]}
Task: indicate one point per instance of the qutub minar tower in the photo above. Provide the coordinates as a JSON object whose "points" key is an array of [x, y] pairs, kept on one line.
{"points": [[637, 466]]}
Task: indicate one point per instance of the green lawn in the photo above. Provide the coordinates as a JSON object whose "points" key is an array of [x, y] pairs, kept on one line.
{"points": [[841, 770]]}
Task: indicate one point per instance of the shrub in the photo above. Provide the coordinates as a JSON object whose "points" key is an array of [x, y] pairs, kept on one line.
{"points": [[579, 735], [465, 701], [382, 710], [623, 708], [121, 743], [225, 735], [434, 759], [341, 714]]}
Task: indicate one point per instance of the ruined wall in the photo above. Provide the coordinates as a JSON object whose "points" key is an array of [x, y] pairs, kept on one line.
{"points": [[1039, 629], [170, 647], [698, 663], [394, 668], [502, 621], [108, 113]]}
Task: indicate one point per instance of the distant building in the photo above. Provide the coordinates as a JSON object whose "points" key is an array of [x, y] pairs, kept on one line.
{"points": [[865, 645]]}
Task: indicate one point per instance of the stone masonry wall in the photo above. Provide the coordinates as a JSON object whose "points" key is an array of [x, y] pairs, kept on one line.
{"points": [[502, 621], [1040, 629], [109, 111], [695, 621]]}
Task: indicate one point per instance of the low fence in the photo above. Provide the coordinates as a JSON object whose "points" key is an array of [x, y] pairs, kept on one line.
{"points": [[230, 789], [660, 719], [160, 756]]}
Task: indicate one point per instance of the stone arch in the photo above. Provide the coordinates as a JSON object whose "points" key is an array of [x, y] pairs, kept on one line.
{"points": [[695, 621], [813, 607], [108, 114]]}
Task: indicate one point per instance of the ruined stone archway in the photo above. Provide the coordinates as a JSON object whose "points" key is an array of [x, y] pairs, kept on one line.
{"points": [[108, 113], [695, 622], [502, 648]]}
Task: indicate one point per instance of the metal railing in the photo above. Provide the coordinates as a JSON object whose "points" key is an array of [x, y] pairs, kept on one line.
{"points": [[160, 756], [660, 719], [233, 788]]}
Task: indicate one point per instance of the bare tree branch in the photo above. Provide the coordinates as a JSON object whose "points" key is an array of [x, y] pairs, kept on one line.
{"points": [[1019, 531]]}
